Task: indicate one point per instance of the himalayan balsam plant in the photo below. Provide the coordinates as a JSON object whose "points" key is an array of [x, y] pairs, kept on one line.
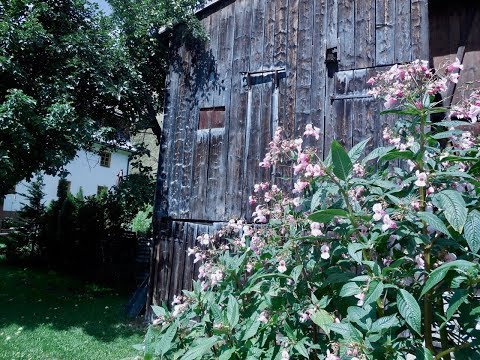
{"points": [[367, 257]]}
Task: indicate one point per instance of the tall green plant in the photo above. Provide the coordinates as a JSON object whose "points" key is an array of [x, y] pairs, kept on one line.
{"points": [[362, 259]]}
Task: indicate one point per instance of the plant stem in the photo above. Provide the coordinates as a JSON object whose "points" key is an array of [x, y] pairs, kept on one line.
{"points": [[427, 301], [440, 355], [443, 330]]}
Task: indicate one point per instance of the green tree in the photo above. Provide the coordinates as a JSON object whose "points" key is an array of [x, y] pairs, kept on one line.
{"points": [[65, 80]]}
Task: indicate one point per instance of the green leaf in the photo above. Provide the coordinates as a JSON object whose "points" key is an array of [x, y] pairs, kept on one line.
{"points": [[446, 134], [439, 273], [375, 290], [376, 153], [385, 322], [342, 165], [165, 342], [233, 314], [323, 319], [227, 354], [397, 154], [409, 309], [158, 310], [325, 216], [434, 221], [454, 208], [423, 354], [316, 200], [300, 347], [456, 301], [354, 250], [357, 150], [350, 289], [472, 231], [202, 347], [252, 327], [296, 272], [452, 123], [348, 331]]}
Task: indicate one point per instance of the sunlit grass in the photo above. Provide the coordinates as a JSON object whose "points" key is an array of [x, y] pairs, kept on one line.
{"points": [[47, 316]]}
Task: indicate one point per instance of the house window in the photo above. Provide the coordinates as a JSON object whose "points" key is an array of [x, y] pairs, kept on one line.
{"points": [[101, 190], [105, 159], [212, 118]]}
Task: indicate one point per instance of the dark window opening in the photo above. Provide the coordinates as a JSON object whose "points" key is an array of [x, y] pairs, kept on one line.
{"points": [[105, 159], [212, 118]]}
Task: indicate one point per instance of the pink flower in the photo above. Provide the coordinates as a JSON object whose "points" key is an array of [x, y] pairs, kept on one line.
{"points": [[449, 257], [378, 211], [299, 186], [388, 223], [263, 317], [325, 252], [190, 252], [419, 262], [331, 356], [252, 200], [361, 298], [282, 266], [310, 130], [315, 229], [358, 169], [390, 101], [454, 66], [421, 178], [285, 355]]}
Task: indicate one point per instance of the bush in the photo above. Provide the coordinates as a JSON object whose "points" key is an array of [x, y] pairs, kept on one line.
{"points": [[367, 257]]}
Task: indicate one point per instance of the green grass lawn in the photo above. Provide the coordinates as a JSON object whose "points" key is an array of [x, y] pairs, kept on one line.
{"points": [[44, 315]]}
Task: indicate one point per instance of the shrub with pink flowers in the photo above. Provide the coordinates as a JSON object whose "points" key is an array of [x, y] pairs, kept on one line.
{"points": [[364, 256]]}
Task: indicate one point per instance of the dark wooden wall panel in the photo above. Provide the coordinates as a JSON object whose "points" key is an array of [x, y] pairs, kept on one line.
{"points": [[403, 38], [364, 33], [236, 127], [385, 31], [346, 34]]}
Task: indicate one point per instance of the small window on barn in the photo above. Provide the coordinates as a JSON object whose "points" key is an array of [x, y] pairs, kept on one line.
{"points": [[101, 190], [212, 118], [105, 158]]}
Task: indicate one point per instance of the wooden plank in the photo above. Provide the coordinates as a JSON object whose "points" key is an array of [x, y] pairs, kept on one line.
{"points": [[317, 93], [291, 76], [331, 24], [215, 201], [178, 142], [177, 268], [364, 33], [304, 66], [280, 56], [189, 266], [236, 129], [346, 34], [200, 174], [254, 105], [403, 43], [419, 29], [385, 16]]}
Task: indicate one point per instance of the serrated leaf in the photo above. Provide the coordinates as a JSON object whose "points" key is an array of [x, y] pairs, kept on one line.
{"points": [[376, 153], [227, 354], [354, 250], [202, 347], [323, 319], [316, 200], [452, 123], [348, 331], [327, 215], [434, 221], [385, 322], [456, 301], [357, 150], [423, 354], [409, 309], [158, 310], [454, 208], [342, 165], [165, 341], [350, 289], [252, 328], [300, 347], [472, 231], [439, 273], [295, 273], [397, 154], [375, 290], [446, 134], [233, 314]]}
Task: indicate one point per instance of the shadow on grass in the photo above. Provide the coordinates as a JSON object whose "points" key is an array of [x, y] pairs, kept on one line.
{"points": [[32, 298]]}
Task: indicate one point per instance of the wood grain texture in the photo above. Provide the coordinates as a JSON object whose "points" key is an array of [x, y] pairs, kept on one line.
{"points": [[403, 37], [346, 34], [364, 33], [419, 29], [385, 16]]}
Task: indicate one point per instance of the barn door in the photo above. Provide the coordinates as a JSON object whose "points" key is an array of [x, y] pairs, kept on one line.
{"points": [[207, 201], [454, 33], [351, 114]]}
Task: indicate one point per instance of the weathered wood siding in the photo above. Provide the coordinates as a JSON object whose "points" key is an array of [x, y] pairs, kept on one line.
{"points": [[206, 174]]}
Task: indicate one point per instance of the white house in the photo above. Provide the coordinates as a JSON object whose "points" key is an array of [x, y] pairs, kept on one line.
{"points": [[93, 172]]}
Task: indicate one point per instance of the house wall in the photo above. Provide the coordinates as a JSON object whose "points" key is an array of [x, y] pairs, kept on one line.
{"points": [[84, 171]]}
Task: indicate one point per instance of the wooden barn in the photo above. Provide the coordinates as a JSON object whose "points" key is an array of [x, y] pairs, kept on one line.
{"points": [[273, 63]]}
